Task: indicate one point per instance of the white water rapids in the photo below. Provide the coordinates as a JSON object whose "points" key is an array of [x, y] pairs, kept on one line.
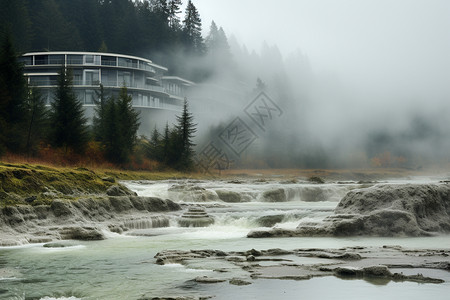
{"points": [[123, 266]]}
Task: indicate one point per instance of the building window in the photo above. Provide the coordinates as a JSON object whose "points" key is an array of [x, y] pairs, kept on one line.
{"points": [[41, 60], [89, 59], [108, 60], [109, 77], [145, 101], [77, 76], [127, 62], [124, 78], [74, 59], [56, 59], [91, 77], [90, 94]]}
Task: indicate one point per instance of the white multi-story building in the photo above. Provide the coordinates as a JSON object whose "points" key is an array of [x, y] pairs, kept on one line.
{"points": [[158, 97]]}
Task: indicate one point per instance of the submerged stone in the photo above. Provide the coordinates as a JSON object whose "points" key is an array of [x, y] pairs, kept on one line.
{"points": [[237, 281], [206, 279]]}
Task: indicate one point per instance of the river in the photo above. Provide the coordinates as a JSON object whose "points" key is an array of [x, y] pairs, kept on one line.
{"points": [[123, 266]]}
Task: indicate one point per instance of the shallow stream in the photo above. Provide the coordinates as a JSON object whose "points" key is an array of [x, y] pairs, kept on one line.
{"points": [[123, 266]]}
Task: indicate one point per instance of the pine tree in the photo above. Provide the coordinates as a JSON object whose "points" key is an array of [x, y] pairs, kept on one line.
{"points": [[219, 54], [223, 43], [111, 140], [161, 9], [13, 93], [37, 120], [120, 124], [186, 130], [192, 30], [154, 147], [98, 121], [212, 38], [52, 31], [68, 124], [14, 17], [128, 120], [166, 144], [174, 10]]}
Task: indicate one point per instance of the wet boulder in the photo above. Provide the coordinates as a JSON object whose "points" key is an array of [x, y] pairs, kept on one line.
{"points": [[85, 233], [314, 194], [389, 210], [229, 196], [270, 220], [276, 195], [191, 193]]}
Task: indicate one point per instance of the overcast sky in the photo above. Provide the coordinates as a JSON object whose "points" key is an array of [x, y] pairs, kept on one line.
{"points": [[402, 42]]}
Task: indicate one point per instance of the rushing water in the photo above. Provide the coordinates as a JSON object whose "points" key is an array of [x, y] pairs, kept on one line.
{"points": [[123, 266]]}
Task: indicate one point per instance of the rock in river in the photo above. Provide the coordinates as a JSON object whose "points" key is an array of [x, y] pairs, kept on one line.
{"points": [[277, 195], [196, 216], [382, 210]]}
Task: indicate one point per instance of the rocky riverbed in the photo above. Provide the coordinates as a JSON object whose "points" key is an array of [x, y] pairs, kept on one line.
{"points": [[370, 263], [210, 223]]}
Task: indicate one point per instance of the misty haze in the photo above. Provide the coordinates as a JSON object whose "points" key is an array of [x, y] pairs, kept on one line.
{"points": [[240, 149]]}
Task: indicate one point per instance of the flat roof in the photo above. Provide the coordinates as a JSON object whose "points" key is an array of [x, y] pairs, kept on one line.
{"points": [[177, 79], [96, 53]]}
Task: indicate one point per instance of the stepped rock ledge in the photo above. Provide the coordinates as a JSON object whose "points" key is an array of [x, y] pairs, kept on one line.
{"points": [[85, 218], [381, 210]]}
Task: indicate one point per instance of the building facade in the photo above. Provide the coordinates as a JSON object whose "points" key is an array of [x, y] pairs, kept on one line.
{"points": [[158, 97]]}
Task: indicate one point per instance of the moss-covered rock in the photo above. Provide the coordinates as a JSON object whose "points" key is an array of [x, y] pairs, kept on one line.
{"points": [[20, 182]]}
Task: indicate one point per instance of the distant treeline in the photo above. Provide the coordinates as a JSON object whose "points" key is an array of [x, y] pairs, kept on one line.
{"points": [[154, 29]]}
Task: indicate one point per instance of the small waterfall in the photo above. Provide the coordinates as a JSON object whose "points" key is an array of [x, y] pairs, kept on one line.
{"points": [[316, 193], [150, 222]]}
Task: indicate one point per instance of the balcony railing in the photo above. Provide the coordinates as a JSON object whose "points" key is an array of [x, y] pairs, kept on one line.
{"points": [[109, 63], [49, 61], [85, 83], [43, 82], [74, 61], [95, 83]]}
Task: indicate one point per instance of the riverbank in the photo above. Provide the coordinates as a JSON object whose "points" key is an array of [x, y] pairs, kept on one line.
{"points": [[42, 204], [20, 181], [26, 184]]}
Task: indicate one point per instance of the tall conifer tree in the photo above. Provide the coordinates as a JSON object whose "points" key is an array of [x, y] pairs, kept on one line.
{"points": [[193, 30], [174, 10], [186, 130], [13, 93], [128, 119], [36, 120], [116, 126], [68, 124]]}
